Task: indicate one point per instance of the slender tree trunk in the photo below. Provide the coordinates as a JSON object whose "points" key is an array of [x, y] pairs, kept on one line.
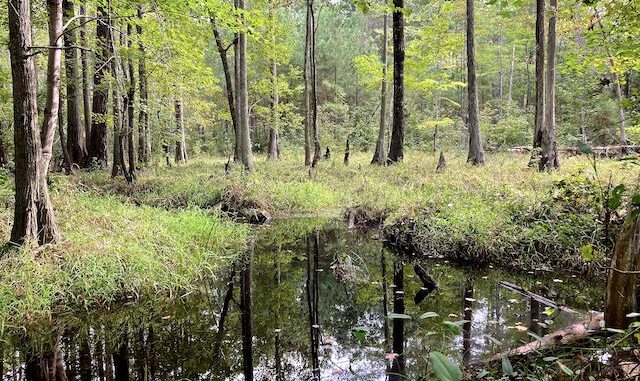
{"points": [[380, 155], [222, 51], [130, 107], [313, 251], [98, 140], [75, 138], [476, 153], [244, 132], [66, 157], [396, 150], [274, 134], [144, 132], [549, 156], [539, 117], [317, 149], [398, 364], [119, 102], [86, 82], [34, 219], [181, 149], [307, 101], [513, 66]]}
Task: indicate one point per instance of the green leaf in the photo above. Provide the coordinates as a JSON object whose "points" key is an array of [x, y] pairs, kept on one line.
{"points": [[565, 369], [549, 311], [615, 200], [427, 315], [360, 333], [550, 359], [494, 340], [394, 315], [443, 368], [538, 338], [507, 368]]}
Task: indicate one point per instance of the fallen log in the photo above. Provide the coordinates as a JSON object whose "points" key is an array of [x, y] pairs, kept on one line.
{"points": [[565, 336], [536, 297]]}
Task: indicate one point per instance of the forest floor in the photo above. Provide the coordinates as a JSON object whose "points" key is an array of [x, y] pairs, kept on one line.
{"points": [[164, 232]]}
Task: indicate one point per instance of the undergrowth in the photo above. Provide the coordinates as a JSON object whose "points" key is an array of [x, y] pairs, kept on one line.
{"points": [[112, 252]]}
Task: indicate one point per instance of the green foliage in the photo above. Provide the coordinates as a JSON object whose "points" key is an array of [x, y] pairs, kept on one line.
{"points": [[443, 368]]}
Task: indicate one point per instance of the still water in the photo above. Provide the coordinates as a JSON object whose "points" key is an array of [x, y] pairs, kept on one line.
{"points": [[309, 300]]}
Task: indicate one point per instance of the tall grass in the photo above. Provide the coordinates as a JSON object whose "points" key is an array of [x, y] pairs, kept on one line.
{"points": [[112, 252]]}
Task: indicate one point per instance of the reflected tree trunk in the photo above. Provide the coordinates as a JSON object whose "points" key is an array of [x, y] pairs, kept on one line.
{"points": [[467, 304], [245, 305], [398, 365], [313, 247]]}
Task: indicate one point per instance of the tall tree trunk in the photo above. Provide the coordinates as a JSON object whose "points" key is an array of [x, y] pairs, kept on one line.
{"points": [[66, 157], [86, 82], [98, 140], [274, 134], [549, 155], [476, 153], [539, 117], [513, 66], [119, 102], [396, 150], [315, 128], [181, 149], [307, 101], [75, 139], [130, 106], [222, 51], [144, 131], [33, 218], [380, 155], [246, 155]]}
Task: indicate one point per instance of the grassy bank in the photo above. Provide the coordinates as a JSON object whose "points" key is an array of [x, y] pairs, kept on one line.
{"points": [[503, 213], [111, 251]]}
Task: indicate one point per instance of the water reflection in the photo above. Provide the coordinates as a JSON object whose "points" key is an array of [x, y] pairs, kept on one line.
{"points": [[275, 315]]}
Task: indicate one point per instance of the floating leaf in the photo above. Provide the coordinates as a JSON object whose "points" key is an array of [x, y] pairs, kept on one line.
{"points": [[443, 368]]}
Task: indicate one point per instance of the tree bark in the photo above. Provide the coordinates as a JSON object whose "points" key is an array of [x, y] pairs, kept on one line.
{"points": [[246, 155], [549, 155], [75, 137], [396, 150], [476, 153], [119, 102], [501, 74], [144, 132], [34, 219], [380, 155], [181, 149], [86, 88], [98, 140]]}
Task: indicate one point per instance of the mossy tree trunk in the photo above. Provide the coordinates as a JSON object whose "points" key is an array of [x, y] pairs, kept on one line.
{"points": [[549, 156], [396, 150], [476, 154]]}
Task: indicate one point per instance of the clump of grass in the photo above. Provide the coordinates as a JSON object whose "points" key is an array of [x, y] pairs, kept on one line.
{"points": [[113, 251]]}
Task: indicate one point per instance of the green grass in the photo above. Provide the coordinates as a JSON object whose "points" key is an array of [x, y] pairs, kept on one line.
{"points": [[503, 212], [113, 252]]}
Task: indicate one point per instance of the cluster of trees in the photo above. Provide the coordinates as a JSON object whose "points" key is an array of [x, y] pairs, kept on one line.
{"points": [[127, 81]]}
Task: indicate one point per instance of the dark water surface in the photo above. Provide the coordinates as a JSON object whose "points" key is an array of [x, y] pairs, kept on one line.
{"points": [[314, 297]]}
